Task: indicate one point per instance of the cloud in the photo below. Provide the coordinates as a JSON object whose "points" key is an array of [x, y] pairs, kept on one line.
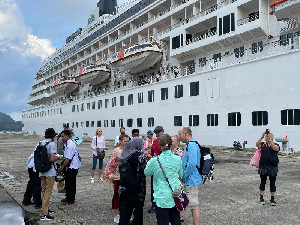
{"points": [[16, 36]]}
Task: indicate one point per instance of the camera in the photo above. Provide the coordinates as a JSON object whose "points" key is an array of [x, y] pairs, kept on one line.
{"points": [[267, 131]]}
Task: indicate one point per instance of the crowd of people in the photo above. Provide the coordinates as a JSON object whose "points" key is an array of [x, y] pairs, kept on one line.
{"points": [[133, 159]]}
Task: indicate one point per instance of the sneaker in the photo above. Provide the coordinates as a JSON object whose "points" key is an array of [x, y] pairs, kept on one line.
{"points": [[92, 180], [117, 219], [262, 201], [273, 203], [151, 210], [131, 218], [100, 178], [46, 217], [68, 203]]}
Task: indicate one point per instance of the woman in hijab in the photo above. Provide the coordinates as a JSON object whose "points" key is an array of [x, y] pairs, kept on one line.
{"points": [[132, 182]]}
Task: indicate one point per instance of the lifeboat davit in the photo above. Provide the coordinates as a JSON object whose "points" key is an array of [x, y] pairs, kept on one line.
{"points": [[93, 74], [64, 86], [136, 58]]}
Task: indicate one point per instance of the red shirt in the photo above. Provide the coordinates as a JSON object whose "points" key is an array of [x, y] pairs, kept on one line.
{"points": [[155, 148]]}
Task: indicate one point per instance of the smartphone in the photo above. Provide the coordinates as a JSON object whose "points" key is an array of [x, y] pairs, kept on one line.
{"points": [[267, 131]]}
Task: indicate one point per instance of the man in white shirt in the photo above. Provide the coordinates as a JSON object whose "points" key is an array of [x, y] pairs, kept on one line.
{"points": [[71, 166]]}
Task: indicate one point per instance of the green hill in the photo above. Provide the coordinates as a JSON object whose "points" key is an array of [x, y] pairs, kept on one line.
{"points": [[8, 124]]}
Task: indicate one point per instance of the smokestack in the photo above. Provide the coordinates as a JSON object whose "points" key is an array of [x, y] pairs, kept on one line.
{"points": [[107, 7]]}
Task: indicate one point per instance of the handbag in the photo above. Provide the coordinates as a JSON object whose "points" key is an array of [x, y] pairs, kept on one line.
{"points": [[100, 155], [256, 158], [179, 196]]}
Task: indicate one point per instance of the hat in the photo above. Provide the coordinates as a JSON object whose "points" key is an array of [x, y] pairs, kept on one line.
{"points": [[158, 129], [50, 133], [150, 132]]}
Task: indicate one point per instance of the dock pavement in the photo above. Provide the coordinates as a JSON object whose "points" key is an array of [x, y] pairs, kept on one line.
{"points": [[231, 198]]}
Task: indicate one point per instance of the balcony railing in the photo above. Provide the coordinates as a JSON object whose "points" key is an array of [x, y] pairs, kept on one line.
{"points": [[249, 19]]}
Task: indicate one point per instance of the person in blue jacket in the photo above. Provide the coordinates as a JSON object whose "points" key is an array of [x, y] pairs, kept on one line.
{"points": [[191, 177]]}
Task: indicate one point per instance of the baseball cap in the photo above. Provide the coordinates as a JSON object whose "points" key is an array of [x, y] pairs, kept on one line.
{"points": [[150, 132], [158, 129]]}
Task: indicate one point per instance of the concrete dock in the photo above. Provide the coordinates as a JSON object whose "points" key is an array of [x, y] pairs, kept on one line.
{"points": [[232, 198]]}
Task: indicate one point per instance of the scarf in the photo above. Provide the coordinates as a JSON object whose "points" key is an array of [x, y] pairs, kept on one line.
{"points": [[134, 145]]}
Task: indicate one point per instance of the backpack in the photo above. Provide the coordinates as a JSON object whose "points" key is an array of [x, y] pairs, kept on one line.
{"points": [[41, 159], [206, 162]]}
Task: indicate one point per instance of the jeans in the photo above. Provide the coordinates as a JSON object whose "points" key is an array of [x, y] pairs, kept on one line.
{"points": [[33, 188], [263, 181], [47, 187], [71, 184], [95, 163], [166, 215]]}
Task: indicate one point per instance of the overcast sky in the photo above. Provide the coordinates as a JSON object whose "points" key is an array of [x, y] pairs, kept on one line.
{"points": [[31, 30]]}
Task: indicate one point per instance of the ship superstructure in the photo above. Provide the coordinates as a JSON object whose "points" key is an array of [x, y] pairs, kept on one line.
{"points": [[228, 68]]}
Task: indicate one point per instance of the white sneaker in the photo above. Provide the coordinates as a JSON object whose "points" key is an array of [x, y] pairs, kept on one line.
{"points": [[100, 178], [117, 219], [92, 180]]}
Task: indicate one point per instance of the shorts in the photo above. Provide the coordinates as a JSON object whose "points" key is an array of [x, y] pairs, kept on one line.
{"points": [[95, 158], [193, 196]]}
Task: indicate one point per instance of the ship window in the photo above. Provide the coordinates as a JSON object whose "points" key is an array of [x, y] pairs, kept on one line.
{"points": [[92, 123], [105, 123], [72, 125], [87, 123], [226, 24], [121, 100], [217, 57], [239, 52], [129, 122], [82, 107], [234, 119], [151, 122], [114, 101], [151, 96], [99, 123], [88, 106], [212, 120], [259, 118], [202, 62], [82, 124], [73, 108], [77, 107], [93, 105], [130, 99], [177, 121], [176, 42], [112, 123], [140, 97], [290, 117], [164, 93], [179, 91], [139, 122], [120, 122], [106, 103], [76, 124], [194, 120], [60, 110], [194, 88], [99, 104]]}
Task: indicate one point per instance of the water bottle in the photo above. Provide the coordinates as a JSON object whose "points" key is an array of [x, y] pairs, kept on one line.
{"points": [[154, 155]]}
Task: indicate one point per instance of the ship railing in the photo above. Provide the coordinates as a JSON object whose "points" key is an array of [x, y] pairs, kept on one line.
{"points": [[248, 19], [281, 4], [290, 24], [201, 37]]}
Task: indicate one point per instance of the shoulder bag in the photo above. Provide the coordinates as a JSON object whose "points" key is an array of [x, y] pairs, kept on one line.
{"points": [[180, 198], [101, 154]]}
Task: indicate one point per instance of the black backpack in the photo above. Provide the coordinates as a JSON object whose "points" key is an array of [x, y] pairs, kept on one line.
{"points": [[206, 162], [41, 159]]}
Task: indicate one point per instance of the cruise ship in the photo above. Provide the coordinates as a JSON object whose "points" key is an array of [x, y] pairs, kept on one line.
{"points": [[227, 68]]}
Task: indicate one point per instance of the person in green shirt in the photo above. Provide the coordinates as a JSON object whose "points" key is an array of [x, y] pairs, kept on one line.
{"points": [[166, 210]]}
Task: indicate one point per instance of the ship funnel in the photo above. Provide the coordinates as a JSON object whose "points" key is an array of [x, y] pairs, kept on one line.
{"points": [[107, 7]]}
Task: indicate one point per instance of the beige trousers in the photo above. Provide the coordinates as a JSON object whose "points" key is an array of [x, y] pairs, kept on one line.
{"points": [[47, 184]]}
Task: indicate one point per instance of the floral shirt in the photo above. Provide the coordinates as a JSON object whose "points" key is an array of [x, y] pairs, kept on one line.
{"points": [[178, 152], [112, 168], [148, 144]]}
